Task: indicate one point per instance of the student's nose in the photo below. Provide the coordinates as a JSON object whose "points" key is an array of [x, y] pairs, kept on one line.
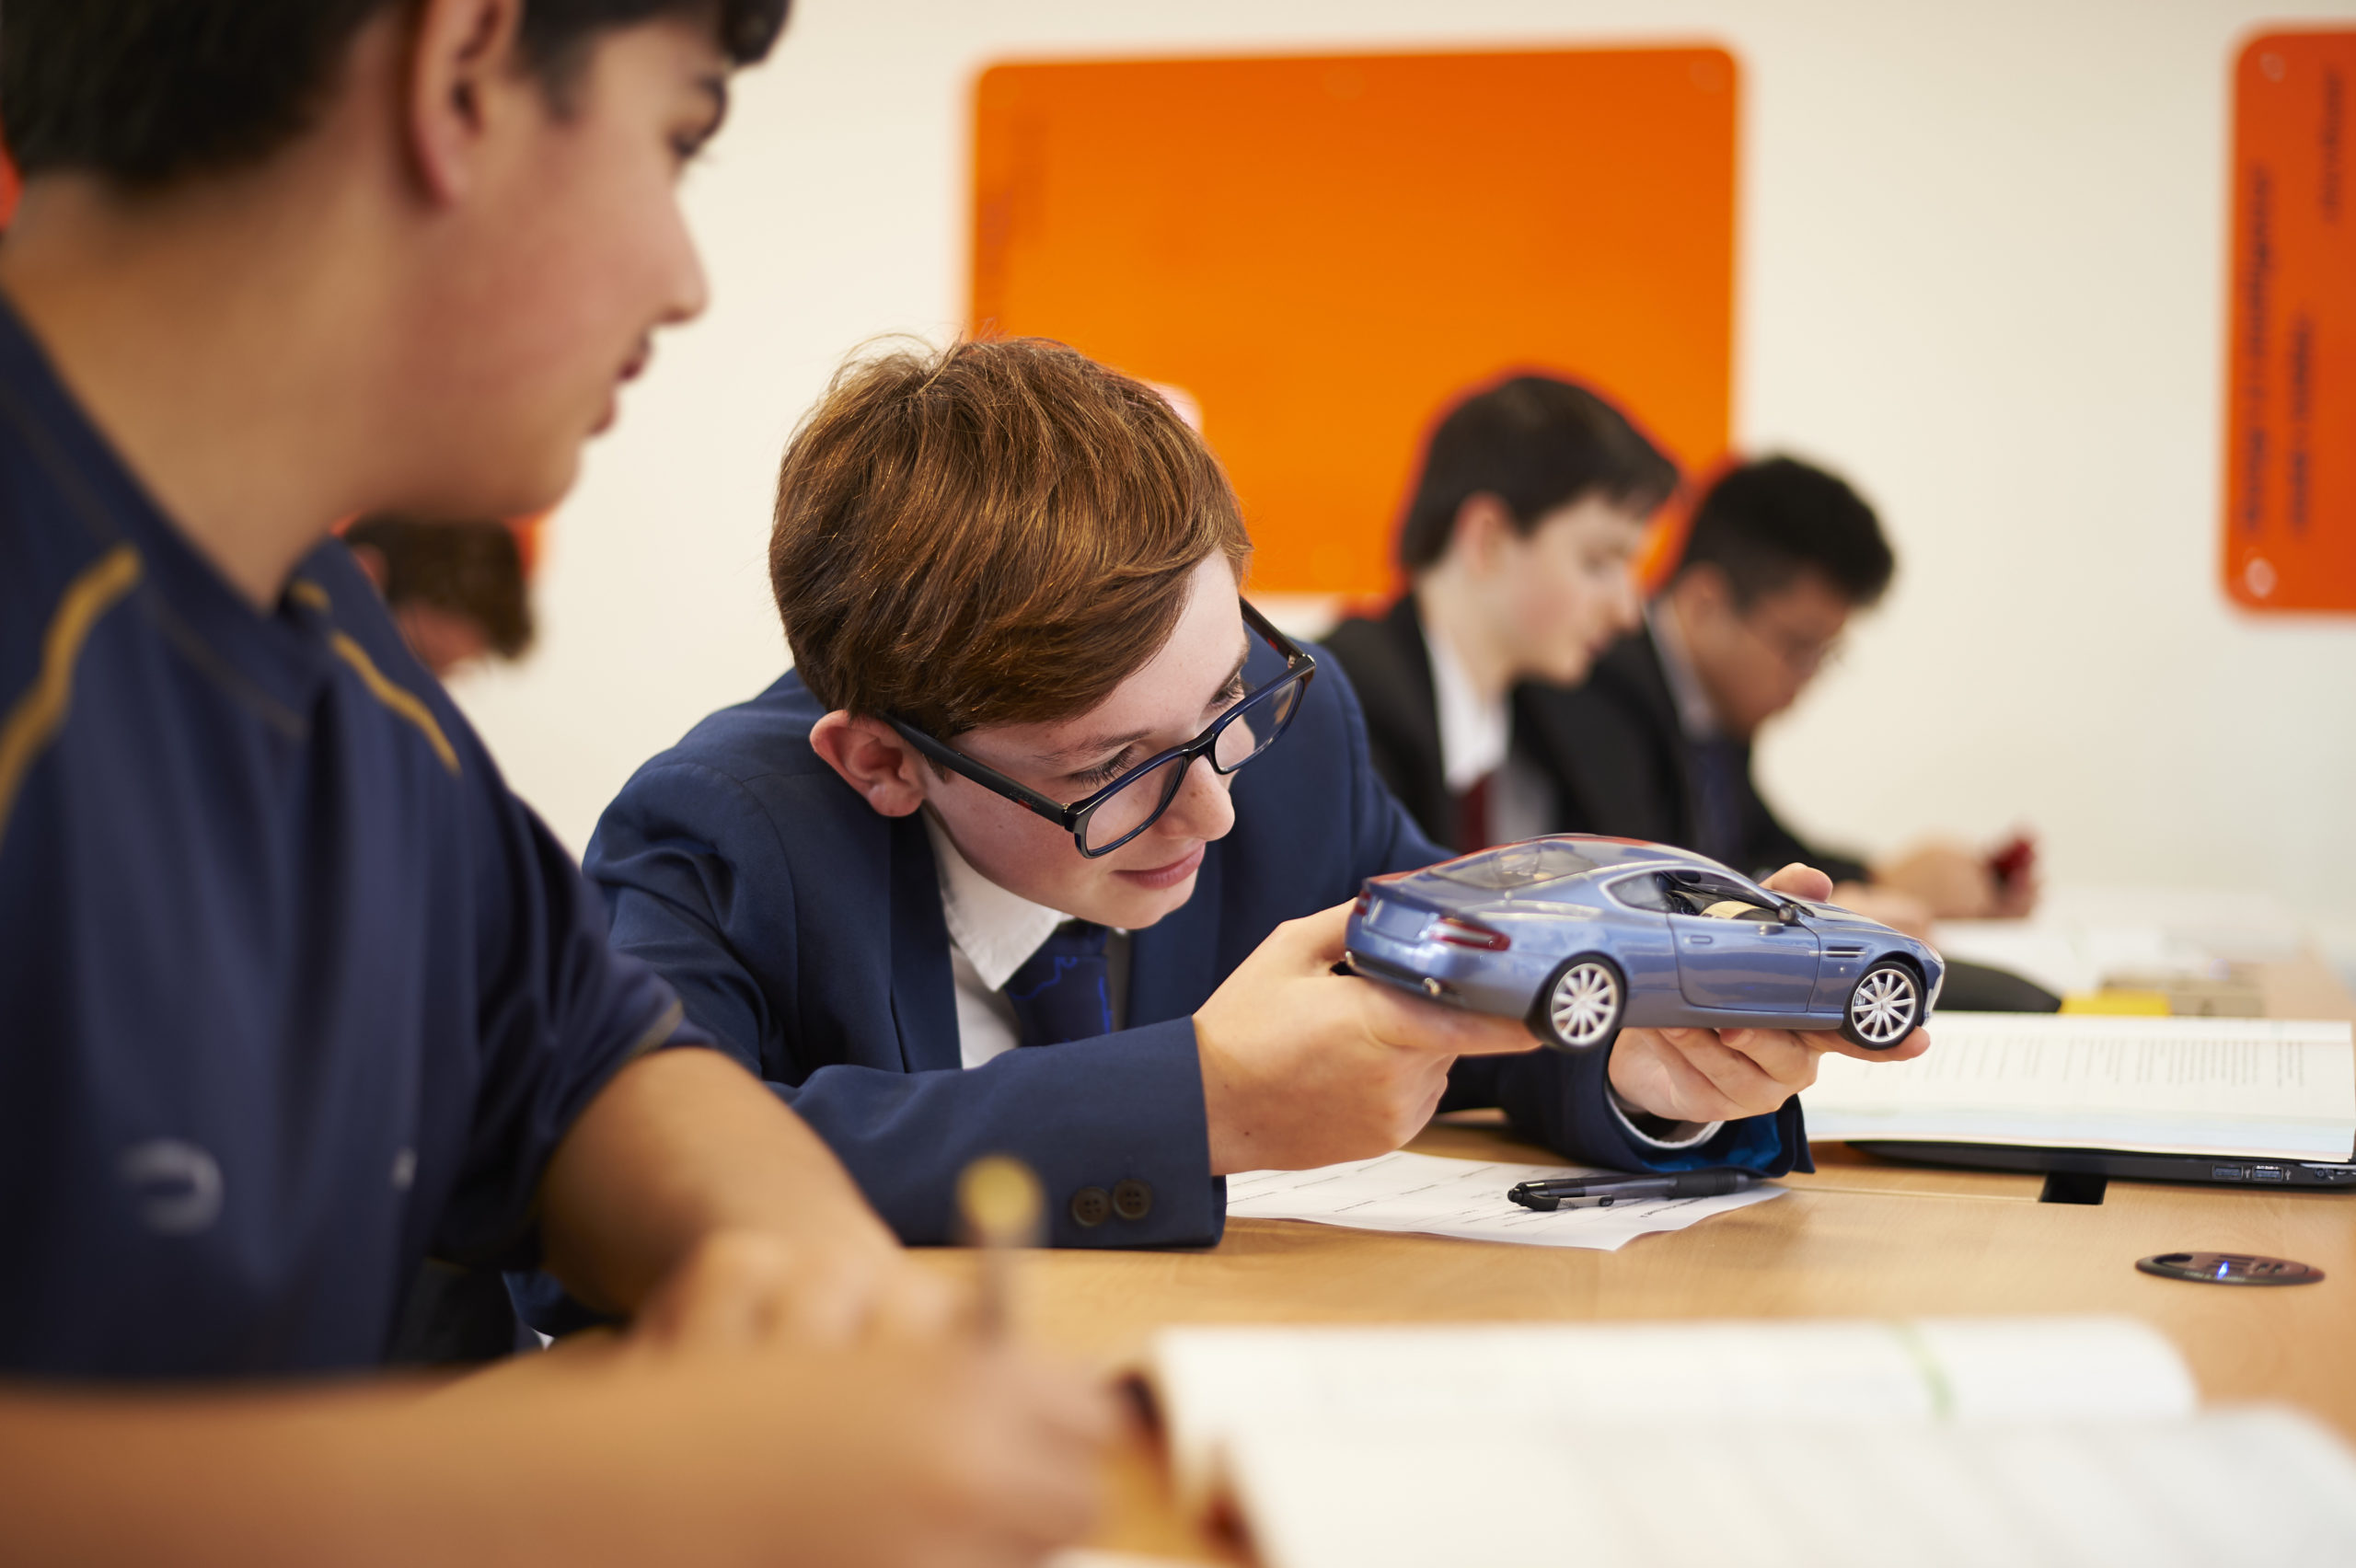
{"points": [[1204, 808], [687, 289]]}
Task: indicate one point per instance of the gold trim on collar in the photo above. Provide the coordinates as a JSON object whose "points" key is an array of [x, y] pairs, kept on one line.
{"points": [[400, 699], [36, 716]]}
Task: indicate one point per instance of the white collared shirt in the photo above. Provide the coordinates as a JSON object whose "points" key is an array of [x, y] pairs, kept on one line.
{"points": [[1476, 743], [1476, 731], [1697, 716]]}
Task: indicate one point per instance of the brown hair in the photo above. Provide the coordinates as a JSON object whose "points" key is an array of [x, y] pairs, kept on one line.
{"points": [[475, 570], [997, 534]]}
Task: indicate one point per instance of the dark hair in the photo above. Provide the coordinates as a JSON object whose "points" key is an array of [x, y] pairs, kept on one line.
{"points": [[475, 570], [997, 534], [1537, 444], [1765, 523], [144, 91]]}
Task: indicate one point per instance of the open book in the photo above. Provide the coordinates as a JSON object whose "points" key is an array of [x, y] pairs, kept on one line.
{"points": [[2267, 1088], [2054, 1441]]}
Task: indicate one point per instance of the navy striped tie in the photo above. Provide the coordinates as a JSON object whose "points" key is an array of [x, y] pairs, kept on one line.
{"points": [[1061, 992]]}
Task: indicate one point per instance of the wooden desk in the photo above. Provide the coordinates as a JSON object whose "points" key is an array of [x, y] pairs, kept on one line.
{"points": [[1859, 1238]]}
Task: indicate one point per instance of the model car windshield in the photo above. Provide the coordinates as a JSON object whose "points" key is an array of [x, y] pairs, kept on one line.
{"points": [[1517, 865]]}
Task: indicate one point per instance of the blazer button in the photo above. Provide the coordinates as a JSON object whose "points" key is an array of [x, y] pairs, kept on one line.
{"points": [[1091, 1206], [1132, 1199]]}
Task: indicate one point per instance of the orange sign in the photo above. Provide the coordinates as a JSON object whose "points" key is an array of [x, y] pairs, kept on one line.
{"points": [[1318, 253], [2290, 419]]}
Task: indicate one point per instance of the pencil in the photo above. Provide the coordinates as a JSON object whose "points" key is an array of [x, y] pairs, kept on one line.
{"points": [[1000, 1202]]}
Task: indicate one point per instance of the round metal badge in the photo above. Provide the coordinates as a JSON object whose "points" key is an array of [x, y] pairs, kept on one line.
{"points": [[2229, 1268]]}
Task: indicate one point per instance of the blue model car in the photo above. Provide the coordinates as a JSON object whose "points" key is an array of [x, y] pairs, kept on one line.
{"points": [[1579, 935]]}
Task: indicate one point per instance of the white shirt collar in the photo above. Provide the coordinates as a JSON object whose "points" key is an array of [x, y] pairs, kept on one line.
{"points": [[995, 930], [1475, 732], [1696, 715]]}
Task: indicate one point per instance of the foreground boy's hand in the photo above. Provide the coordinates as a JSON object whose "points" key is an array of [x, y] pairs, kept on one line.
{"points": [[1304, 1069], [1719, 1074], [716, 1432], [738, 1440], [686, 1168]]}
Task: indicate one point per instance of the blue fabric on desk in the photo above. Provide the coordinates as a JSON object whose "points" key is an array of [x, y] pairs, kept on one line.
{"points": [[806, 932]]}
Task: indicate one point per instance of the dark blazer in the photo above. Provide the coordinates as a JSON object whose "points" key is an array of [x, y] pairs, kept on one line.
{"points": [[806, 932], [1612, 749]]}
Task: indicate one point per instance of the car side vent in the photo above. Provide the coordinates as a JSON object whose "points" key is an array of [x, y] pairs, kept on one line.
{"points": [[1844, 951]]}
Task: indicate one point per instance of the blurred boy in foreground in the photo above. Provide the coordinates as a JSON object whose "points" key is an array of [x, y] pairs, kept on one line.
{"points": [[303, 1002]]}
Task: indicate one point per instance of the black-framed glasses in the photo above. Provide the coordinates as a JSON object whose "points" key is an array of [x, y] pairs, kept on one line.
{"points": [[1105, 821]]}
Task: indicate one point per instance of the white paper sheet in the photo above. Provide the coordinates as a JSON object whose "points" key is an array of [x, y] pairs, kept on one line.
{"points": [[2275, 1088], [1464, 1198], [2231, 1489], [1623, 1377]]}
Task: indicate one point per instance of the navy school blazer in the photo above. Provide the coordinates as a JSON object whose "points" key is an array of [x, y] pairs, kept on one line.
{"points": [[804, 932]]}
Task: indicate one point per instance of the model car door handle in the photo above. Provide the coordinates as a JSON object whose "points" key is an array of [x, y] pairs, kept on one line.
{"points": [[1699, 942]]}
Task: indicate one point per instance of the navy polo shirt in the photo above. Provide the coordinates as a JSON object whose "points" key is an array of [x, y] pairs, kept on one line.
{"points": [[294, 994]]}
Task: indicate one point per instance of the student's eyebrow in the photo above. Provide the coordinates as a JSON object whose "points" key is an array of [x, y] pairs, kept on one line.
{"points": [[1102, 745]]}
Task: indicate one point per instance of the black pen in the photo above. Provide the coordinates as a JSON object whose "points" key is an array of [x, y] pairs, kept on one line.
{"points": [[1602, 1192]]}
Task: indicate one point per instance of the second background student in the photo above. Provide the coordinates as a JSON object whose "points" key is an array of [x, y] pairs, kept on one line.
{"points": [[1045, 846], [1520, 685]]}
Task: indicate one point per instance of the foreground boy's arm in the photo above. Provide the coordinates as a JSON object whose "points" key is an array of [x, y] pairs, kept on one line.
{"points": [[716, 1433], [684, 1146], [791, 1391]]}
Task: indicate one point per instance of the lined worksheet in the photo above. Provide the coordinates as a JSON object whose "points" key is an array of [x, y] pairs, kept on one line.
{"points": [[2279, 1087], [2231, 1489], [1460, 1197]]}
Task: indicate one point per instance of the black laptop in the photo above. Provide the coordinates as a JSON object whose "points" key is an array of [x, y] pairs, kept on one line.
{"points": [[2206, 1170]]}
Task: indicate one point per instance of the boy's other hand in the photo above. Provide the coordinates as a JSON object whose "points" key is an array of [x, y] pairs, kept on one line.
{"points": [[739, 1290], [1720, 1075], [718, 1438], [1898, 911], [1304, 1067], [1953, 883]]}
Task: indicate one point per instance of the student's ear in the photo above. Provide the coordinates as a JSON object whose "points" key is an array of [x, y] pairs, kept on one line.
{"points": [[1483, 526], [870, 757], [1703, 595], [461, 66]]}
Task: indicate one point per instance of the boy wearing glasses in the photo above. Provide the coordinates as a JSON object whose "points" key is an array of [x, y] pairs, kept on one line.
{"points": [[1046, 844]]}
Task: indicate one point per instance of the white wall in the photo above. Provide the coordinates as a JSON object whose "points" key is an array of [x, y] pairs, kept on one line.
{"points": [[1982, 271]]}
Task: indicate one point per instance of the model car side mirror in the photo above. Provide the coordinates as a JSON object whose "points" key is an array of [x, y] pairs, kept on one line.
{"points": [[1789, 913]]}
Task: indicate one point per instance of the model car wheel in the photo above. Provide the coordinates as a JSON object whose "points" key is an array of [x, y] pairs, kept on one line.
{"points": [[1580, 1007], [1885, 1006]]}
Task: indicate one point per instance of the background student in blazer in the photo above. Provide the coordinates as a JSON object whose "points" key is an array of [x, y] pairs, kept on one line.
{"points": [[1519, 545], [1009, 579], [1520, 686], [306, 1010], [1779, 557]]}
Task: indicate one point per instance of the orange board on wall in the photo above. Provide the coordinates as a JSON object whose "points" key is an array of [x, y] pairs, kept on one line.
{"points": [[1320, 252], [2290, 528]]}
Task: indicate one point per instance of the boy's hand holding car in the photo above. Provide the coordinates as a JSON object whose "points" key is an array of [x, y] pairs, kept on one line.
{"points": [[1300, 1070], [1718, 1075]]}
